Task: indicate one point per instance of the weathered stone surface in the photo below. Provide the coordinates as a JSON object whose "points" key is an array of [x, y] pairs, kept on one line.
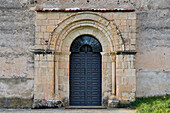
{"points": [[14, 4], [16, 93], [46, 104], [87, 3], [152, 83], [16, 103], [153, 47], [17, 88], [16, 69], [16, 35], [113, 103]]}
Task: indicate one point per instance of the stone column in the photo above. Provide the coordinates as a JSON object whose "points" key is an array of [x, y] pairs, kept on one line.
{"points": [[112, 102], [56, 61], [113, 75]]}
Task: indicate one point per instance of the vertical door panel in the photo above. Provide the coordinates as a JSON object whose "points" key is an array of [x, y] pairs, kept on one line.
{"points": [[85, 79]]}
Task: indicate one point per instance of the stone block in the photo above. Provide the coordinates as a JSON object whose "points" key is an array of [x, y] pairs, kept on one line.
{"points": [[119, 65], [37, 29], [109, 16], [119, 72], [62, 65], [39, 34], [131, 16], [133, 35], [129, 22], [126, 29], [50, 64], [123, 16], [36, 57], [44, 22], [53, 16], [128, 72], [132, 96], [116, 16], [121, 28], [46, 36], [133, 29], [50, 57], [61, 72], [124, 102], [117, 22], [125, 35], [119, 58], [124, 65], [52, 22], [50, 28], [125, 96], [123, 22], [132, 65], [113, 103], [124, 80], [41, 16], [37, 72], [38, 22], [133, 41], [133, 72], [43, 103], [133, 47], [126, 58], [133, 23], [43, 28], [62, 16], [109, 65], [36, 64], [129, 65], [126, 87]]}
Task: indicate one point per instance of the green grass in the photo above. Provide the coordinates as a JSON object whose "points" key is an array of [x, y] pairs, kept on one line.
{"points": [[159, 104]]}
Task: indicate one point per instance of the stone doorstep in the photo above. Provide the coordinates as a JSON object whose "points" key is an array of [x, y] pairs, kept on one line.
{"points": [[86, 107]]}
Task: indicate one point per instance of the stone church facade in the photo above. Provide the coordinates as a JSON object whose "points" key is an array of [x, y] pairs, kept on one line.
{"points": [[97, 54]]}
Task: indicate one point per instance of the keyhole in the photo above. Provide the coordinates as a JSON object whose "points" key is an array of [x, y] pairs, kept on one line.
{"points": [[88, 1]]}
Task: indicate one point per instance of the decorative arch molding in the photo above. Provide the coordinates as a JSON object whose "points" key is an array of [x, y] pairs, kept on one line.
{"points": [[85, 30], [88, 19]]}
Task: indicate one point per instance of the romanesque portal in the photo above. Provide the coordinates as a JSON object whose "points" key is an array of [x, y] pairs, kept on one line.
{"points": [[100, 66]]}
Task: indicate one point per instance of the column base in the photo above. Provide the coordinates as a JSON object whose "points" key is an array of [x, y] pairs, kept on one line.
{"points": [[113, 103]]}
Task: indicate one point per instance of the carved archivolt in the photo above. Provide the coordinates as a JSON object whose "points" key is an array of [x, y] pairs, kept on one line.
{"points": [[86, 23]]}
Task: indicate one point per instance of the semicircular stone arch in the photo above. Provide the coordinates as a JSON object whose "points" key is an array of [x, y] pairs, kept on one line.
{"points": [[92, 44], [95, 21], [85, 30]]}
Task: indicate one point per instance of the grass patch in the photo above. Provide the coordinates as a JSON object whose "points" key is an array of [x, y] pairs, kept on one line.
{"points": [[159, 104]]}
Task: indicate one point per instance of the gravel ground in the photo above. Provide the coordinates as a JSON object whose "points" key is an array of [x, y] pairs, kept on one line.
{"points": [[68, 111]]}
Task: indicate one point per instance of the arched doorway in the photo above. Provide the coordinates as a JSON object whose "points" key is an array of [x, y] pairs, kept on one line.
{"points": [[85, 72]]}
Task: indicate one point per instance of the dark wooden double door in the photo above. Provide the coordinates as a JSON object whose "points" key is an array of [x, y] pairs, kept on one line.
{"points": [[85, 79]]}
